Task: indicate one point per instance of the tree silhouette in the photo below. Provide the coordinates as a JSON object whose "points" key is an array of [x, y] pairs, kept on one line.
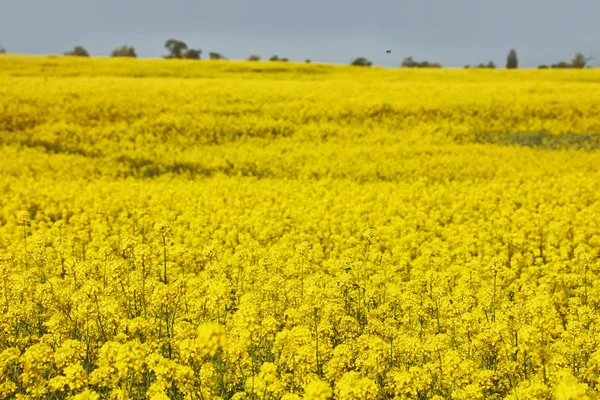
{"points": [[409, 62], [489, 65], [562, 64], [511, 60], [361, 62], [216, 56], [124, 51], [192, 54], [2, 51], [176, 48], [276, 58], [254, 57], [78, 51], [579, 61]]}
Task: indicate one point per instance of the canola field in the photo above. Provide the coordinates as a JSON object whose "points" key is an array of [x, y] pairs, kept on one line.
{"points": [[266, 230]]}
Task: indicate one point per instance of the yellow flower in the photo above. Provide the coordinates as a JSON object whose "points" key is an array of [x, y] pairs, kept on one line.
{"points": [[86, 395], [569, 388], [317, 390], [352, 386]]}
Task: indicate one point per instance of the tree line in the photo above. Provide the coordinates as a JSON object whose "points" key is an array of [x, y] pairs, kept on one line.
{"points": [[512, 62], [179, 50]]}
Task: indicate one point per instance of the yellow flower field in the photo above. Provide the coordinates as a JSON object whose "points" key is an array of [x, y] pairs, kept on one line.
{"points": [[266, 230]]}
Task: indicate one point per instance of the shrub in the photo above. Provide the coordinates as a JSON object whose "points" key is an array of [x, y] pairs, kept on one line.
{"points": [[410, 63], [216, 56], [361, 62], [124, 51], [192, 54], [78, 51]]}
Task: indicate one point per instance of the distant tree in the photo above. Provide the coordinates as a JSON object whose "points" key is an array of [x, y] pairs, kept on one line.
{"points": [[511, 60], [276, 58], [361, 62], [562, 64], [254, 57], [78, 51], [489, 65], [124, 51], [2, 51], [307, 61], [409, 62], [543, 66], [216, 56], [467, 66], [179, 49], [176, 48], [192, 54], [579, 61]]}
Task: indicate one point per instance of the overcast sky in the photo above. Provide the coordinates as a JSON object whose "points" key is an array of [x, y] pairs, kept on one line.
{"points": [[453, 32]]}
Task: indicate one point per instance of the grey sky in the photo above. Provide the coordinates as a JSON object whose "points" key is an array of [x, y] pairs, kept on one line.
{"points": [[453, 32]]}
